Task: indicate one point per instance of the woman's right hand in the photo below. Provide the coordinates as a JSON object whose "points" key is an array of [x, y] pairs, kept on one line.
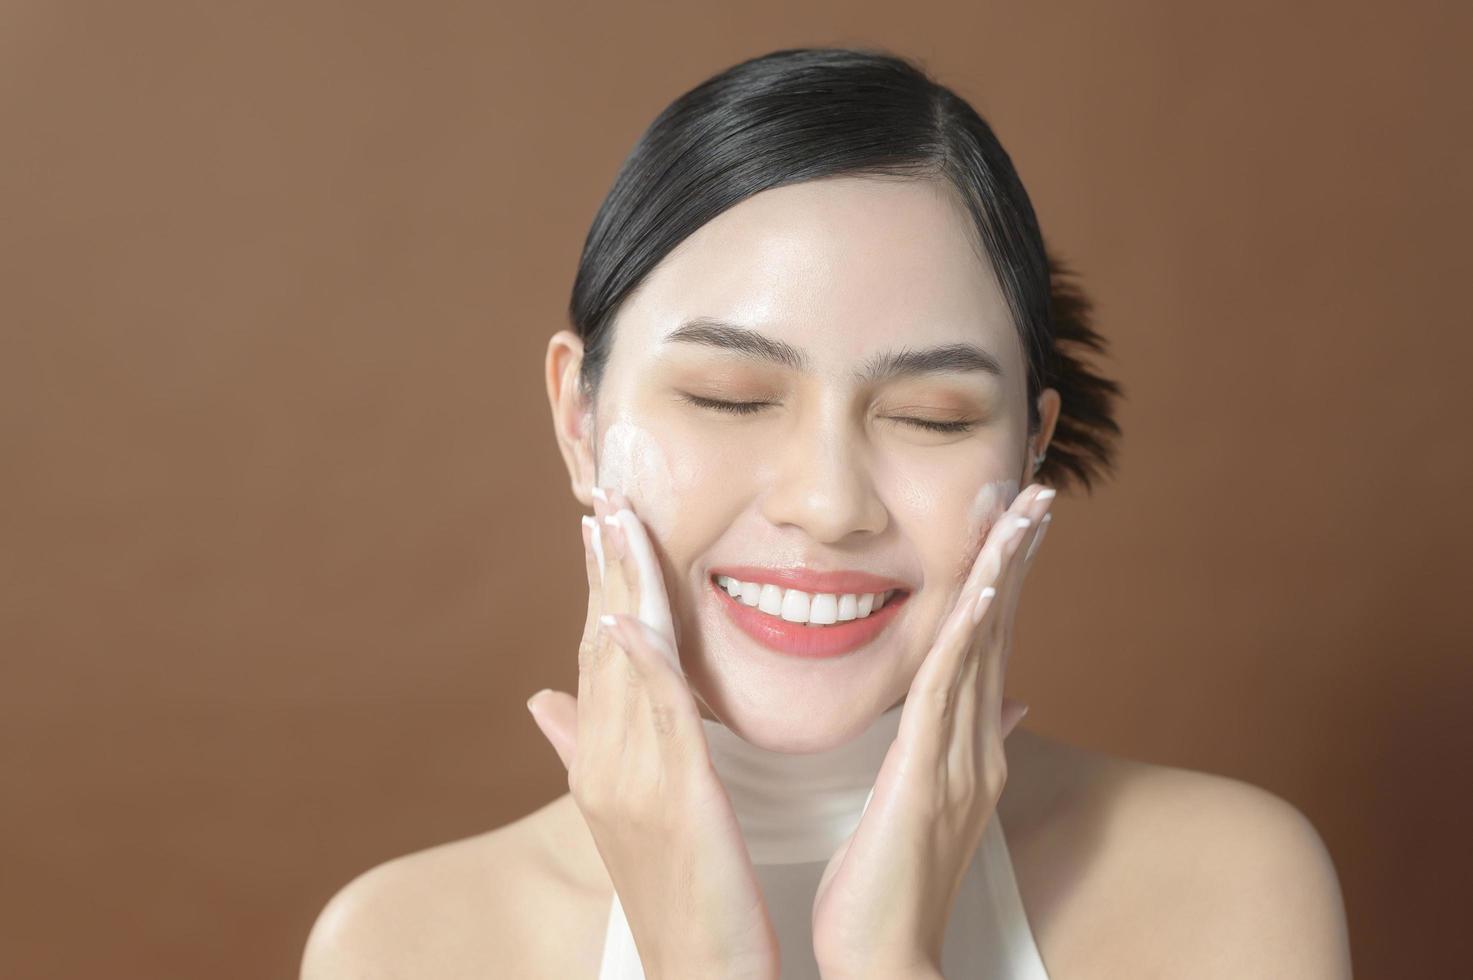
{"points": [[640, 772]]}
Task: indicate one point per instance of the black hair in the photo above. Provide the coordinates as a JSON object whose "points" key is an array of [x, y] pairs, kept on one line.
{"points": [[803, 114]]}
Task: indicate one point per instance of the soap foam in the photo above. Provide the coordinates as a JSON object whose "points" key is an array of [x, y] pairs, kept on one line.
{"points": [[991, 500], [631, 461]]}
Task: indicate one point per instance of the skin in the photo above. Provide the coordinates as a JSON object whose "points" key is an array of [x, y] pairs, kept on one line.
{"points": [[1126, 869], [639, 770], [829, 474]]}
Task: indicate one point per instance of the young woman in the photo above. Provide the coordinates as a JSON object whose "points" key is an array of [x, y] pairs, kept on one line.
{"points": [[822, 380]]}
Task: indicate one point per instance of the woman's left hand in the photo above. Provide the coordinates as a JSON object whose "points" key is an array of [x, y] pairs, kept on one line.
{"points": [[885, 898]]}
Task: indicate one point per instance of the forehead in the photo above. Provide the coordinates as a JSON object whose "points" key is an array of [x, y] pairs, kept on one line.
{"points": [[841, 266]]}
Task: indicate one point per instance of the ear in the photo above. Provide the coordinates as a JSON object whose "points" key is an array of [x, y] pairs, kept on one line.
{"points": [[572, 412], [1048, 403]]}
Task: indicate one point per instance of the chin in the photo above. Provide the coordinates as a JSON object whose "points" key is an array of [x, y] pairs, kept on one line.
{"points": [[796, 719]]}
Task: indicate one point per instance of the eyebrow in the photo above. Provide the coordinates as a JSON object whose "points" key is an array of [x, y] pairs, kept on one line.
{"points": [[954, 358]]}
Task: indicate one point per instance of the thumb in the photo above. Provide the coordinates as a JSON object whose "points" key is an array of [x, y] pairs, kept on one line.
{"points": [[556, 715]]}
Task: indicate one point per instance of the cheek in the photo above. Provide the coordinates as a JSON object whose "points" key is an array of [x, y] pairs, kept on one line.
{"points": [[988, 504], [953, 519], [678, 486], [633, 462]]}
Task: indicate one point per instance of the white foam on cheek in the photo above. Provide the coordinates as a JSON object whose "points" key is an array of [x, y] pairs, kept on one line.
{"points": [[991, 500], [630, 460]]}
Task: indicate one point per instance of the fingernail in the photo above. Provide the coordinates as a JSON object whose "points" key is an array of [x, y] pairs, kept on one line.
{"points": [[1018, 527], [589, 522], [979, 606], [599, 493], [1047, 493], [608, 620], [1038, 538], [535, 697]]}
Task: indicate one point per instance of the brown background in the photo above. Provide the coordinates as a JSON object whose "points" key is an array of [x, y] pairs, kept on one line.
{"points": [[286, 540]]}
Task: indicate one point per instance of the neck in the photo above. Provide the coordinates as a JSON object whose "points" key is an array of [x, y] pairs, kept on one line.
{"points": [[799, 807]]}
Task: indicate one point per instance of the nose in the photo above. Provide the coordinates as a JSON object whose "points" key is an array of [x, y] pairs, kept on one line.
{"points": [[824, 484]]}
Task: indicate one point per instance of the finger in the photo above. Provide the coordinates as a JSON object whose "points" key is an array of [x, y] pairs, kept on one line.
{"points": [[600, 509], [939, 712], [619, 510], [1010, 587], [616, 585], [1016, 593], [977, 699], [1026, 507], [654, 600], [1023, 560], [618, 500], [628, 566], [589, 529], [1038, 541], [925, 721], [942, 666], [662, 696], [1040, 510], [556, 715], [1035, 506], [648, 650], [603, 668], [1031, 550], [587, 642], [995, 619], [937, 681]]}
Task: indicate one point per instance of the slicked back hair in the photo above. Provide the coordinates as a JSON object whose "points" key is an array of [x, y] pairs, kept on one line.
{"points": [[805, 114]]}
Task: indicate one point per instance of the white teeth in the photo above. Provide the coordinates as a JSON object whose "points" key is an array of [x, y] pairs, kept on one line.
{"points": [[797, 606], [770, 600]]}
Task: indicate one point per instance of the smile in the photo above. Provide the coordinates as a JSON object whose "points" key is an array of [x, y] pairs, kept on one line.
{"points": [[797, 606], [806, 624]]}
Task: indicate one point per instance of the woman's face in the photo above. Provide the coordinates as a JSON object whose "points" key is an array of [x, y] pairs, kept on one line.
{"points": [[800, 298]]}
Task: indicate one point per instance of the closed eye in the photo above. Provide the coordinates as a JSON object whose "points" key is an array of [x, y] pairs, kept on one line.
{"points": [[750, 408], [732, 408]]}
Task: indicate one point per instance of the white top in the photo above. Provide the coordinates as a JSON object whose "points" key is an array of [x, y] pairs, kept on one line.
{"points": [[795, 811]]}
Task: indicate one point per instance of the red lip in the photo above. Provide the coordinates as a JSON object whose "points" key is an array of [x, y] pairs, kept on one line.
{"points": [[800, 639], [807, 580]]}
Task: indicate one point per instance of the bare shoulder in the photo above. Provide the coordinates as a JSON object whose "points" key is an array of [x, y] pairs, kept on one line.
{"points": [[505, 902], [1134, 869]]}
